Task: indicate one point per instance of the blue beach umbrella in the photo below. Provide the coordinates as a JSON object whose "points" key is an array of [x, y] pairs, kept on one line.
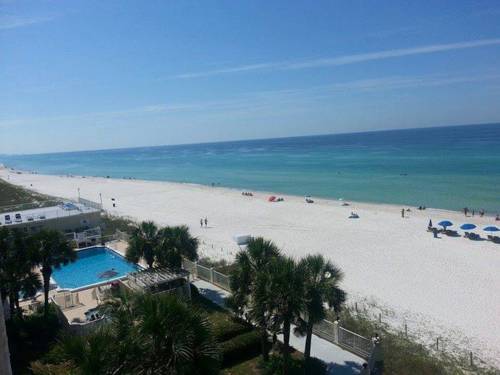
{"points": [[445, 224], [467, 226], [491, 228]]}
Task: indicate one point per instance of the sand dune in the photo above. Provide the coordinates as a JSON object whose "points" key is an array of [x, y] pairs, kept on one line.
{"points": [[450, 283]]}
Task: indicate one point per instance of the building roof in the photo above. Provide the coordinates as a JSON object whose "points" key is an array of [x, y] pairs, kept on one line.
{"points": [[45, 213]]}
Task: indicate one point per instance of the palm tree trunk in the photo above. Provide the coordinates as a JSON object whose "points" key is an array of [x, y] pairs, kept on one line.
{"points": [[11, 305], [46, 272], [263, 344], [307, 350], [286, 345], [18, 308]]}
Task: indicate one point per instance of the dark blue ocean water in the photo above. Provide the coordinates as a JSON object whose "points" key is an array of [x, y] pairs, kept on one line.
{"points": [[447, 167]]}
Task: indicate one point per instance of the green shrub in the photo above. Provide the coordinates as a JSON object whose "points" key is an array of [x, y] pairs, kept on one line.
{"points": [[244, 346], [225, 326], [112, 223]]}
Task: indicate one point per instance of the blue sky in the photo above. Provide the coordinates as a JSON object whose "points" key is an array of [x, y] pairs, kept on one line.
{"points": [[88, 74]]}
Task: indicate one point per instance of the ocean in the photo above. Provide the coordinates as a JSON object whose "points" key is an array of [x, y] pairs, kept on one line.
{"points": [[445, 167]]}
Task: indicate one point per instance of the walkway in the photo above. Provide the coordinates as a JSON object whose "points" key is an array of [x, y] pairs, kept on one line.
{"points": [[340, 362]]}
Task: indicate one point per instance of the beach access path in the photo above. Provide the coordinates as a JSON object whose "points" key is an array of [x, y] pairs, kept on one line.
{"points": [[446, 286], [338, 360]]}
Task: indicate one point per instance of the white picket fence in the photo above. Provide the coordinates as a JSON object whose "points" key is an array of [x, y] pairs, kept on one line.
{"points": [[207, 274]]}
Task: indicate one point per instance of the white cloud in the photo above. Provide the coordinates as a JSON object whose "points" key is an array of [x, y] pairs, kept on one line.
{"points": [[253, 102], [344, 60], [13, 22]]}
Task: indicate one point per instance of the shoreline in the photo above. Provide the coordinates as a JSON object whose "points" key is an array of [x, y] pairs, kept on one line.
{"points": [[447, 284], [352, 203]]}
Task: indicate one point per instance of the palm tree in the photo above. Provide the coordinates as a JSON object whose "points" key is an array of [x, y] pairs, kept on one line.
{"points": [[52, 251], [143, 243], [94, 353], [178, 338], [250, 285], [174, 244], [287, 289], [321, 287], [16, 268], [161, 334]]}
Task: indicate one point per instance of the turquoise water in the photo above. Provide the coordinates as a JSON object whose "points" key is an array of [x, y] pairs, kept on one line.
{"points": [[90, 268], [447, 167]]}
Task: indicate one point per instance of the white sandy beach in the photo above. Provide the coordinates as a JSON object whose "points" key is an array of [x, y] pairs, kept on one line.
{"points": [[449, 284]]}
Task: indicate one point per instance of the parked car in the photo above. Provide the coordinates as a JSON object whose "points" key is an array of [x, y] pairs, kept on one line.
{"points": [[18, 218]]}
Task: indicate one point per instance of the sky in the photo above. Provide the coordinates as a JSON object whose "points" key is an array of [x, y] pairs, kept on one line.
{"points": [[80, 75]]}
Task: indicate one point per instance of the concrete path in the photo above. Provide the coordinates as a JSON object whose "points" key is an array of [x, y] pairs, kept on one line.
{"points": [[339, 361]]}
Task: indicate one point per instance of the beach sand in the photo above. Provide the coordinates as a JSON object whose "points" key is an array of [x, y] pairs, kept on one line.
{"points": [[447, 286]]}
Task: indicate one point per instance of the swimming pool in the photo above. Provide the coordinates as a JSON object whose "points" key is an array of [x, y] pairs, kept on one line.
{"points": [[93, 265]]}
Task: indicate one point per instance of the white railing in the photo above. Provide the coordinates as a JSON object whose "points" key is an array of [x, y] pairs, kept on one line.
{"points": [[355, 343], [221, 280], [122, 236], [207, 274], [204, 273], [90, 203], [85, 236], [330, 331]]}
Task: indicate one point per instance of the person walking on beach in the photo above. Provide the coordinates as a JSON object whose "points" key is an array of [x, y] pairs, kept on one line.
{"points": [[465, 211], [206, 222], [402, 212], [201, 222]]}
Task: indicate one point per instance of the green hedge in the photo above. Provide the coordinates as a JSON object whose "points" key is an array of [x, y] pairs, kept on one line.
{"points": [[225, 325], [244, 346]]}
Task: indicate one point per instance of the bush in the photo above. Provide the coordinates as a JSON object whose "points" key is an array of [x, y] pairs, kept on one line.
{"points": [[226, 328], [225, 325], [244, 346], [112, 223]]}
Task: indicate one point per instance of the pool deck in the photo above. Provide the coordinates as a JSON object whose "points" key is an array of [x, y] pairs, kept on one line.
{"points": [[87, 301]]}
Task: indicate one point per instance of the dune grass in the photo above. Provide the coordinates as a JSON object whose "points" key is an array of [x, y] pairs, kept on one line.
{"points": [[14, 198], [404, 355]]}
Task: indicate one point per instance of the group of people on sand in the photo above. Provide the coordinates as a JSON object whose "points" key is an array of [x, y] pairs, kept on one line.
{"points": [[403, 211], [203, 221], [247, 193], [481, 213]]}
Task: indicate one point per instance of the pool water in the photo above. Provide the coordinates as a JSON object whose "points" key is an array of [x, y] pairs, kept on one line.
{"points": [[94, 265]]}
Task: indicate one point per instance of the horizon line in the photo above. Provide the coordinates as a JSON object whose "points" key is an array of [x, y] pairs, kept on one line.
{"points": [[252, 139]]}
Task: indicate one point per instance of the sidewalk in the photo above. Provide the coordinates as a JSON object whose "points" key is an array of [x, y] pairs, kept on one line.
{"points": [[339, 361]]}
